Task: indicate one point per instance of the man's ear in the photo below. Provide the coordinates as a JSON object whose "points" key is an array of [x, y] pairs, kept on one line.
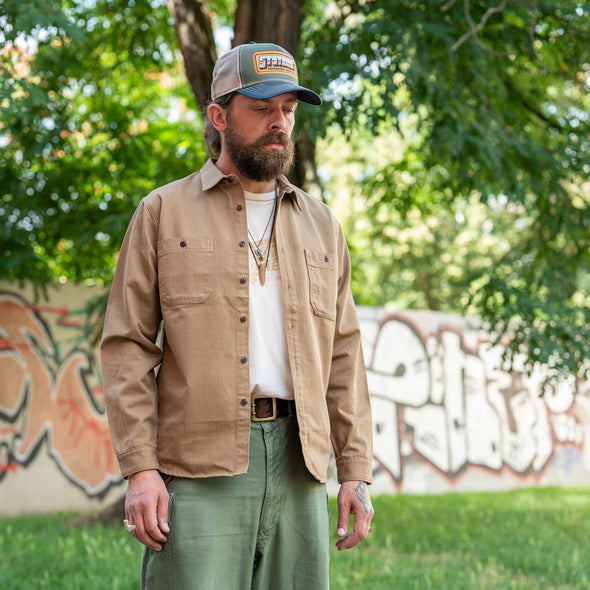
{"points": [[218, 116]]}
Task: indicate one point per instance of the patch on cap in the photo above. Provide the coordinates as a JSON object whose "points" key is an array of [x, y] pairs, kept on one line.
{"points": [[273, 62]]}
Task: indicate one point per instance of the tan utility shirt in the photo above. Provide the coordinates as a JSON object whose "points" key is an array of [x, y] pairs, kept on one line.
{"points": [[186, 410]]}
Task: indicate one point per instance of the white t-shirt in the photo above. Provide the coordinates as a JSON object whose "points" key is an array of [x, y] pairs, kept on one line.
{"points": [[269, 365]]}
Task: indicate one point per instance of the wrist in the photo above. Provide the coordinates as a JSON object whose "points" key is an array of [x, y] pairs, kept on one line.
{"points": [[143, 473]]}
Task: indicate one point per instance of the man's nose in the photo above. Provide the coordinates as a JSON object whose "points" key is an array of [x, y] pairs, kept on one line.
{"points": [[278, 121]]}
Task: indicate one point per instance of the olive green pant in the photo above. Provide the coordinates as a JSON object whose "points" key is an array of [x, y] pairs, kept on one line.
{"points": [[264, 530]]}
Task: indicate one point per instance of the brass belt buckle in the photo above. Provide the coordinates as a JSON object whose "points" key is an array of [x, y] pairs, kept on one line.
{"points": [[274, 409]]}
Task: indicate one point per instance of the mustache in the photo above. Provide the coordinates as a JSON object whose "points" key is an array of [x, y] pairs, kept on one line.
{"points": [[273, 137]]}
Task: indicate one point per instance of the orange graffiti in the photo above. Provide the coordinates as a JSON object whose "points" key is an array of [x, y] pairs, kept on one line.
{"points": [[56, 400], [9, 430], [9, 467]]}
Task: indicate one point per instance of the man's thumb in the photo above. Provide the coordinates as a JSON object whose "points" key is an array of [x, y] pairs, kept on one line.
{"points": [[342, 525]]}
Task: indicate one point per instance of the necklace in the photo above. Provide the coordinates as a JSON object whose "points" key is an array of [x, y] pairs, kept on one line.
{"points": [[255, 248]]}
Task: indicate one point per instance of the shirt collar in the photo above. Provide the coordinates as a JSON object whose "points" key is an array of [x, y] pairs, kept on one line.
{"points": [[211, 176]]}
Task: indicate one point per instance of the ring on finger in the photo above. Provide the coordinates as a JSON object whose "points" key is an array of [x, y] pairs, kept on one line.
{"points": [[130, 527]]}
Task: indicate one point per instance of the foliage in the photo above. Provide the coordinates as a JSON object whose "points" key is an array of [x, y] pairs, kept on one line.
{"points": [[490, 102], [420, 259], [96, 113], [533, 538]]}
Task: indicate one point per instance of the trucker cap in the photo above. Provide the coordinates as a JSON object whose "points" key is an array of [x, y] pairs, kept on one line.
{"points": [[259, 70]]}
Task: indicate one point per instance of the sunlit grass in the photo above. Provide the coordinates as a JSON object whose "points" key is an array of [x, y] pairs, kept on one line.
{"points": [[520, 540], [527, 539]]}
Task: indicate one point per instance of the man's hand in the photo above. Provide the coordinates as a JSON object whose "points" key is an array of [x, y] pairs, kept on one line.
{"points": [[353, 499], [146, 506]]}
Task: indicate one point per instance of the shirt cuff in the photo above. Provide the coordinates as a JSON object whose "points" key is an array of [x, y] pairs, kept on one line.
{"points": [[138, 459], [354, 469]]}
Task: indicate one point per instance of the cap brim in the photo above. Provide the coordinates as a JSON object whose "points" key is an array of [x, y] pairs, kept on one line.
{"points": [[272, 89]]}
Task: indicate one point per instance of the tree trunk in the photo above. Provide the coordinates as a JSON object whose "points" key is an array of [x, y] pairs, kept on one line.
{"points": [[192, 20], [305, 171], [269, 21]]}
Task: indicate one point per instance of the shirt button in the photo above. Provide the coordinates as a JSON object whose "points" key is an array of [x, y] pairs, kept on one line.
{"points": [[242, 244], [244, 401], [239, 207], [244, 360], [243, 319], [243, 280]]}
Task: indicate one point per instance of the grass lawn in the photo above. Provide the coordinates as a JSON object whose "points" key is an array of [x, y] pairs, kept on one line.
{"points": [[524, 539]]}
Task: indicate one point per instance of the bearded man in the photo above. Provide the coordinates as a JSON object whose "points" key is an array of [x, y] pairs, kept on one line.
{"points": [[224, 431]]}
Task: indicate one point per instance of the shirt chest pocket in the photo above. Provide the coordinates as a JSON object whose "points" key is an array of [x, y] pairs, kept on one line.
{"points": [[185, 270], [322, 272]]}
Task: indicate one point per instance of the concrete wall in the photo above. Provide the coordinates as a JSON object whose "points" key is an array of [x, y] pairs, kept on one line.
{"points": [[55, 449], [445, 416]]}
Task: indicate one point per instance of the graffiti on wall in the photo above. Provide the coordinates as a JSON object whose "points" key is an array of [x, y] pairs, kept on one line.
{"points": [[47, 395], [441, 398]]}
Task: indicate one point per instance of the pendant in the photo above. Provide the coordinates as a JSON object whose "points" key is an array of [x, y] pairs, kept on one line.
{"points": [[258, 253], [262, 274]]}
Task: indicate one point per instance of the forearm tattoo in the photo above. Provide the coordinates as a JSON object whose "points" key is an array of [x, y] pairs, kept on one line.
{"points": [[362, 493]]}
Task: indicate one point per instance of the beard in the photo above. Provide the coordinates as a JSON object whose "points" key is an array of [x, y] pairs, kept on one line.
{"points": [[257, 162]]}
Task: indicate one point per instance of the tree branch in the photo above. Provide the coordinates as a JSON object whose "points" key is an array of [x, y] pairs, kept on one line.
{"points": [[475, 28], [532, 108], [448, 5]]}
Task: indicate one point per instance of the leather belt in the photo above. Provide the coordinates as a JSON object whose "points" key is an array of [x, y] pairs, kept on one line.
{"points": [[265, 409]]}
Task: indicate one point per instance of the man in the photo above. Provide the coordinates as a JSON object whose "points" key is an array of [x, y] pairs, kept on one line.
{"points": [[224, 433]]}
